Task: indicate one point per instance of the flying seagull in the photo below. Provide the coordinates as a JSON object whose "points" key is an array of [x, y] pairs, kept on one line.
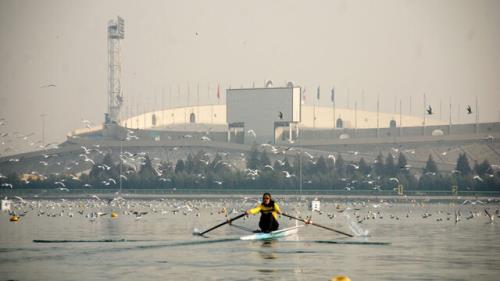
{"points": [[429, 110], [252, 132]]}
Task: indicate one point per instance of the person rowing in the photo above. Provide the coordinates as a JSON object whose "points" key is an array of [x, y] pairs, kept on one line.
{"points": [[269, 211]]}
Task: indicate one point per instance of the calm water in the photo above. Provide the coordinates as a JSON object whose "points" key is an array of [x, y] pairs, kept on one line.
{"points": [[160, 246]]}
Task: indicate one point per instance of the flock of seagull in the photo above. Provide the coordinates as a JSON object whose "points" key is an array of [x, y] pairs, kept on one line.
{"points": [[352, 214], [89, 156], [132, 161], [430, 112]]}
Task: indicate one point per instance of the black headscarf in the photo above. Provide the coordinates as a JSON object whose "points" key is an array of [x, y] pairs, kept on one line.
{"points": [[271, 201]]}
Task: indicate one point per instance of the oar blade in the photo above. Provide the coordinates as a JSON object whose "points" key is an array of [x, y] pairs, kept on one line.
{"points": [[219, 225], [318, 225], [197, 232]]}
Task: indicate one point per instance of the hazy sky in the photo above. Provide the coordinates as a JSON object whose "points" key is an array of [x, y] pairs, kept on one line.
{"points": [[398, 49]]}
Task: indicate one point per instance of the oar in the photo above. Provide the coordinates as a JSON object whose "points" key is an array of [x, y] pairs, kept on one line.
{"points": [[221, 224], [318, 225]]}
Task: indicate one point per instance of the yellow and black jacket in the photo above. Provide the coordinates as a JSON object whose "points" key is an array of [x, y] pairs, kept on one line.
{"points": [[273, 209]]}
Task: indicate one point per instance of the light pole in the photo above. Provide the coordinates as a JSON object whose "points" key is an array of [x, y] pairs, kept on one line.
{"points": [[43, 128], [300, 171], [121, 165], [299, 141]]}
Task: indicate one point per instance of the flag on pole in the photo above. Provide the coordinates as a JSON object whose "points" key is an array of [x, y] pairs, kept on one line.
{"points": [[333, 94], [318, 92]]}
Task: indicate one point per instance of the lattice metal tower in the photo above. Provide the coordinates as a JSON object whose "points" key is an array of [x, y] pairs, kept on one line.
{"points": [[116, 32]]}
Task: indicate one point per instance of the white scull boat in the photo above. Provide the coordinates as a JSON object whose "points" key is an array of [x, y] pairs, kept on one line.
{"points": [[281, 233]]}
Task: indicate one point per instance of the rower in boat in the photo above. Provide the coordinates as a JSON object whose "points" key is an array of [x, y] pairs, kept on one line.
{"points": [[269, 211]]}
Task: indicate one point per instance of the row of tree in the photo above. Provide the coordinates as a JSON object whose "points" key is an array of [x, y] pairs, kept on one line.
{"points": [[332, 173]]}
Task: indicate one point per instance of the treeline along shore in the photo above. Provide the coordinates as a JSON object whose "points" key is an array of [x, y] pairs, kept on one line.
{"points": [[386, 175]]}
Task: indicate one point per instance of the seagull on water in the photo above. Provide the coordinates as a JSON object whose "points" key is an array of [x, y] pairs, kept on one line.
{"points": [[60, 183], [473, 202]]}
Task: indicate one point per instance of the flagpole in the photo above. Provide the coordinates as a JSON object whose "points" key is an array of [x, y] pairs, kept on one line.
{"points": [[477, 117], [400, 116], [170, 101], [449, 129], [333, 105], [348, 99], [355, 115], [179, 99], [317, 101], [425, 107], [211, 105], [334, 115], [198, 100], [378, 109], [163, 107], [314, 115], [187, 104], [363, 99], [440, 111], [410, 106], [218, 94]]}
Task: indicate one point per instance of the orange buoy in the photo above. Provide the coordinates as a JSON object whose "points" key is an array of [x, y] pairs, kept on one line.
{"points": [[114, 215], [340, 278], [14, 218]]}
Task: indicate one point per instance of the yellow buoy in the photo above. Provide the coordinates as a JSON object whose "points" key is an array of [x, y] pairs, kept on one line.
{"points": [[114, 215], [340, 278], [14, 218]]}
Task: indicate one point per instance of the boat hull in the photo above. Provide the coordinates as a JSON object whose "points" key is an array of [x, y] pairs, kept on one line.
{"points": [[277, 234]]}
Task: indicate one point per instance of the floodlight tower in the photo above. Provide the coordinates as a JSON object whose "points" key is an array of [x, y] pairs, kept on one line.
{"points": [[116, 32]]}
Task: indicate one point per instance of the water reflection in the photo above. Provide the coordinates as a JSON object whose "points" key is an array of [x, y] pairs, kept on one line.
{"points": [[267, 251], [267, 270]]}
